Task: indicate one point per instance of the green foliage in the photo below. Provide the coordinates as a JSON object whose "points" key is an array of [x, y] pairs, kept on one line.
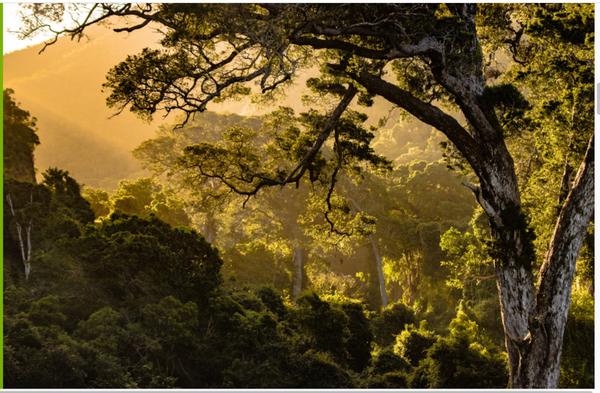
{"points": [[572, 23], [254, 263], [147, 317], [460, 360], [47, 311], [555, 72], [272, 301], [66, 195], [319, 371], [577, 365], [391, 322], [99, 201], [388, 370], [391, 380], [412, 343], [131, 329], [388, 361], [361, 336], [133, 258], [265, 157], [143, 197], [40, 356], [30, 203], [50, 212], [466, 255], [453, 202], [510, 106], [326, 326], [19, 130]]}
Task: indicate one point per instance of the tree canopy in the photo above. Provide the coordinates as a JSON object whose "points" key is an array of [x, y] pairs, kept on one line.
{"points": [[472, 72]]}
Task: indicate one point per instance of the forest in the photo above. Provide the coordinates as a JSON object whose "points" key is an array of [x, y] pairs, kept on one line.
{"points": [[447, 242]]}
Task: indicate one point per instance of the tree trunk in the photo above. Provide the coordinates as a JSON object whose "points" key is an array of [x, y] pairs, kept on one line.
{"points": [[540, 363], [380, 276], [298, 275], [377, 257], [24, 244], [533, 320], [516, 293], [534, 323], [512, 249], [210, 229], [533, 327]]}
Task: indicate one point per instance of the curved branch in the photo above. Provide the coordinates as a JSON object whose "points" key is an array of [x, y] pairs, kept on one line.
{"points": [[425, 112], [357, 50], [301, 168]]}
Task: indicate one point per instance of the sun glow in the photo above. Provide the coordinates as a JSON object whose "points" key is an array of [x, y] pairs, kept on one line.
{"points": [[12, 23]]}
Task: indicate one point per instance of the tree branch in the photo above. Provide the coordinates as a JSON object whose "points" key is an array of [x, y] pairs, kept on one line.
{"points": [[357, 50], [339, 162], [427, 113], [249, 184], [301, 168], [556, 274]]}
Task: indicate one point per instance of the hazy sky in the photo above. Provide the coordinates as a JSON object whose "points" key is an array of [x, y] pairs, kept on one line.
{"points": [[12, 22]]}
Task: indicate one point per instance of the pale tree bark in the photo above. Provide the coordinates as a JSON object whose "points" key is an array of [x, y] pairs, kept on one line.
{"points": [[23, 239], [298, 272], [413, 261], [380, 276], [533, 317], [377, 259], [210, 229], [541, 363]]}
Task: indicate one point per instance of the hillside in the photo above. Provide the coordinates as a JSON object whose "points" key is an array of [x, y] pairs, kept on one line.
{"points": [[62, 88]]}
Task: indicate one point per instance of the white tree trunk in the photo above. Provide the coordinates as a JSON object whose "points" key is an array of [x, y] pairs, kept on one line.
{"points": [[380, 276], [25, 254], [210, 230], [377, 258], [534, 321], [540, 365], [298, 266]]}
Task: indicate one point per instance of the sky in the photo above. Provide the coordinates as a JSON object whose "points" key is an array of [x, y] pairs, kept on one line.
{"points": [[11, 23]]}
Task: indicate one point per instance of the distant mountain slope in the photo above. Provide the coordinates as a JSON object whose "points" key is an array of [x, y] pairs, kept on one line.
{"points": [[62, 88]]}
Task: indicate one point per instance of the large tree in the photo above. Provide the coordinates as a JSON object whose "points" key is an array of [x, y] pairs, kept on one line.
{"points": [[432, 61]]}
